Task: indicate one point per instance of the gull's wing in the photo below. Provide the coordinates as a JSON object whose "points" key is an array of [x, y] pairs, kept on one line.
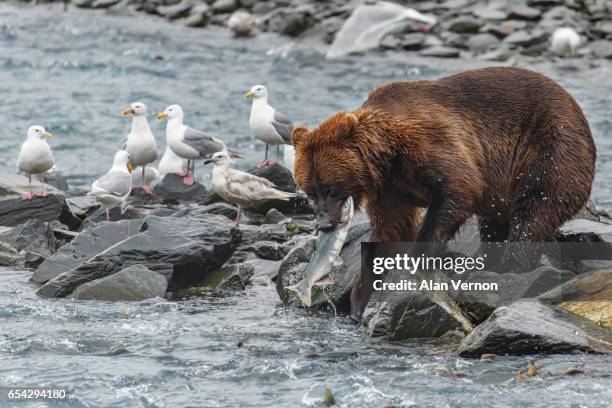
{"points": [[247, 185], [204, 144], [283, 126], [115, 183]]}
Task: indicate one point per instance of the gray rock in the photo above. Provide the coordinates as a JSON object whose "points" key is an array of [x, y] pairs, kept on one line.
{"points": [[503, 29], [248, 3], [522, 11], [289, 21], [225, 6], [16, 184], [175, 11], [183, 250], [229, 277], [251, 234], [482, 42], [601, 48], [440, 52], [14, 211], [172, 190], [85, 246], [525, 39], [134, 283], [491, 11], [530, 326], [34, 239], [199, 16], [273, 216], [263, 7], [98, 4], [402, 316], [603, 28], [478, 305], [464, 25], [220, 208], [270, 250]]}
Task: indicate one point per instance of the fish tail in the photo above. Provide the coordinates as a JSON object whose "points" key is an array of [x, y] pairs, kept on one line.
{"points": [[303, 291]]}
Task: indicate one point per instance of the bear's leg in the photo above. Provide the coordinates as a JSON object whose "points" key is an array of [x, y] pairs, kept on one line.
{"points": [[394, 219], [492, 230], [446, 213]]}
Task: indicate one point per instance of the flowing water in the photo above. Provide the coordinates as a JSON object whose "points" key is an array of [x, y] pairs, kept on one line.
{"points": [[73, 73]]}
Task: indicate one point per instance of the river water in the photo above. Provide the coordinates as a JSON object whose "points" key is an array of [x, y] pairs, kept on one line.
{"points": [[73, 73]]}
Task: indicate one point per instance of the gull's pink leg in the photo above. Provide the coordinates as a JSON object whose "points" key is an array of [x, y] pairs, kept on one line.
{"points": [[107, 214], [265, 161], [273, 162], [28, 196], [184, 173], [237, 220], [144, 185], [127, 207], [188, 181], [41, 194]]}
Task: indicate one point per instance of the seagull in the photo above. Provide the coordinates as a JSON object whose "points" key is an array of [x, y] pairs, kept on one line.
{"points": [[140, 143], [267, 124], [35, 157], [186, 142], [241, 23], [240, 188], [565, 40], [113, 189], [170, 163], [152, 177]]}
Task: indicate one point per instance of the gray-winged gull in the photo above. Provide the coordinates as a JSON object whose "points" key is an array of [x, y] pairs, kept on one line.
{"points": [[113, 189], [267, 124], [240, 188], [35, 157], [170, 163], [187, 142], [140, 144]]}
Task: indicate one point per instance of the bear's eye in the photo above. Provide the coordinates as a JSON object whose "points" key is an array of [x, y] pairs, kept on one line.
{"points": [[334, 191]]}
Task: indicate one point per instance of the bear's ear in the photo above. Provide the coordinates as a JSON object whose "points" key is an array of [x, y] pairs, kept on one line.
{"points": [[351, 120], [297, 135]]}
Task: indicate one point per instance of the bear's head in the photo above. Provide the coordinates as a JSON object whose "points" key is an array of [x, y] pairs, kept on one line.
{"points": [[339, 159]]}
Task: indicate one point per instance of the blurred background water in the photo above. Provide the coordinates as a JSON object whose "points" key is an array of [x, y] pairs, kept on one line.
{"points": [[73, 73]]}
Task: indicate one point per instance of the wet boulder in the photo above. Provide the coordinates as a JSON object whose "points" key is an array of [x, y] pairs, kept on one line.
{"points": [[294, 265], [283, 180], [17, 184], [184, 250], [588, 295], [33, 240], [406, 315], [15, 211], [85, 246], [530, 326], [172, 190], [479, 304], [134, 283], [55, 179], [229, 277]]}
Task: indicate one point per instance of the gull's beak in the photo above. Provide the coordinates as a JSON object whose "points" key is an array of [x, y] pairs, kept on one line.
{"points": [[130, 167], [161, 116], [249, 95], [48, 135], [208, 161], [127, 111]]}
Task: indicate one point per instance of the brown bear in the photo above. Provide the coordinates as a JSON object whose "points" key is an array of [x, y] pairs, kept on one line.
{"points": [[508, 145]]}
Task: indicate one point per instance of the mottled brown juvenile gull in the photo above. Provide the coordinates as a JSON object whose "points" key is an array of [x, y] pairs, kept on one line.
{"points": [[240, 188], [140, 143], [267, 124], [113, 189], [187, 142], [35, 157]]}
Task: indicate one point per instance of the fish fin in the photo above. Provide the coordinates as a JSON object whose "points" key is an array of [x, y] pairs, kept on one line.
{"points": [[327, 280], [338, 261], [303, 292]]}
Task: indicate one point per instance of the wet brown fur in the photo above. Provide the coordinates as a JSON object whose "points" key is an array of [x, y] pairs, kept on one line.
{"points": [[495, 142], [505, 144]]}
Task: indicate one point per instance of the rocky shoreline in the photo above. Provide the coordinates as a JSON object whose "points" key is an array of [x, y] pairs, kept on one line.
{"points": [[178, 249], [489, 30]]}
